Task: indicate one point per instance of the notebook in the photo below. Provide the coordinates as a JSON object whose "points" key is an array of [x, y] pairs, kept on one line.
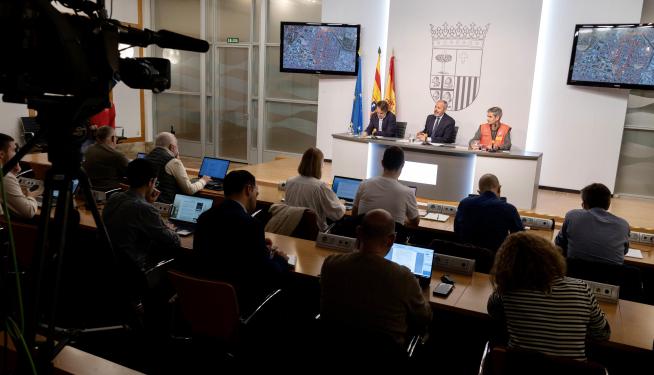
{"points": [[417, 259], [216, 169], [185, 211], [346, 189]]}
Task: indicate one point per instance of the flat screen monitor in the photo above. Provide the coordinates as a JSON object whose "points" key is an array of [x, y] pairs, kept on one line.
{"points": [[345, 187], [141, 155], [187, 208], [613, 55], [319, 48], [417, 259], [214, 168]]}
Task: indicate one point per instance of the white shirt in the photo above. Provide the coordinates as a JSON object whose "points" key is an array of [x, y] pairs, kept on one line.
{"points": [[381, 122], [19, 204], [389, 194], [175, 168], [313, 193]]}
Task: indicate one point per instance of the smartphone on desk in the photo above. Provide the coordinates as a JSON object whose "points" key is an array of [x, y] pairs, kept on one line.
{"points": [[443, 290]]}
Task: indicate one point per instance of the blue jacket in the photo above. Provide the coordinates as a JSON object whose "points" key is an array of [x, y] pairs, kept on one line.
{"points": [[388, 123], [486, 220]]}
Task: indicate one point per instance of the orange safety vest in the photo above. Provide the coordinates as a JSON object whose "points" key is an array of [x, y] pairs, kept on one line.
{"points": [[486, 139]]}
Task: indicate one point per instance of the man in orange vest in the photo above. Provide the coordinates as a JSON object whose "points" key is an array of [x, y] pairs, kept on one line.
{"points": [[493, 135]]}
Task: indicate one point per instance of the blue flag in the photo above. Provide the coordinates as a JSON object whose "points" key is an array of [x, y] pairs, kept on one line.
{"points": [[357, 105]]}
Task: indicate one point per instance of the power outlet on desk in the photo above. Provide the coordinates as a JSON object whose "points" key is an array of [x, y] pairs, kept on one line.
{"points": [[435, 208], [536, 222], [163, 208], [604, 292], [448, 210], [454, 264], [647, 238], [634, 236], [334, 242]]}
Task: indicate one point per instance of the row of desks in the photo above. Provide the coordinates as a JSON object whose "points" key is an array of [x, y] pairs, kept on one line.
{"points": [[632, 324]]}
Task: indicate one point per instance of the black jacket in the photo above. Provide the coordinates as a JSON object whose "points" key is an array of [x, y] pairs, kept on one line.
{"points": [[231, 247], [445, 132]]}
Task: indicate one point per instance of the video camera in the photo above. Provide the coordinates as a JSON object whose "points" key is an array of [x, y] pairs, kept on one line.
{"points": [[50, 53]]}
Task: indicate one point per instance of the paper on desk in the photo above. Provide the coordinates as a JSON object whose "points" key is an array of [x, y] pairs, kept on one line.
{"points": [[634, 253], [436, 217]]}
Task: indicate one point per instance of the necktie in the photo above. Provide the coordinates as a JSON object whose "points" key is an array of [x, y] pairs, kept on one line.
{"points": [[438, 121]]}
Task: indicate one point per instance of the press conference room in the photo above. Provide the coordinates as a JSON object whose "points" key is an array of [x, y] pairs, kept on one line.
{"points": [[232, 185]]}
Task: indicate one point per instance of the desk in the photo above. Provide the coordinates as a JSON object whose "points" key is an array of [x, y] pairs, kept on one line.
{"points": [[458, 168], [632, 325]]}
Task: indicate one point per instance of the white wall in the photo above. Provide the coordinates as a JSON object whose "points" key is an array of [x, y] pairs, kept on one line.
{"points": [[578, 129], [335, 94], [507, 64], [10, 114]]}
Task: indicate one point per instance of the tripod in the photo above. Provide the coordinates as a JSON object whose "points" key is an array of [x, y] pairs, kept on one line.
{"points": [[64, 152]]}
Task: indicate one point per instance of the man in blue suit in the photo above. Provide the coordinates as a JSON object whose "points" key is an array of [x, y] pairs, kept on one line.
{"points": [[382, 122], [439, 126]]}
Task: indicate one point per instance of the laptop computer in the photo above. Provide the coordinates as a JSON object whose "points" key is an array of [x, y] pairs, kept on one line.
{"points": [[55, 195], [185, 211], [346, 189], [216, 169], [417, 259], [140, 155]]}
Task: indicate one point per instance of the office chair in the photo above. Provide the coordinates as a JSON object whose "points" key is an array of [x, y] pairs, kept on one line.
{"points": [[401, 129], [628, 277], [509, 361], [212, 310], [483, 257], [456, 131], [307, 228]]}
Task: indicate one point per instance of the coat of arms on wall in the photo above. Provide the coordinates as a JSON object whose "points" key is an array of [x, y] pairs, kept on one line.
{"points": [[456, 63]]}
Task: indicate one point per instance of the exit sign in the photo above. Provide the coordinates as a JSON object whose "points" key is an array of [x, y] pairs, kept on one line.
{"points": [[232, 40]]}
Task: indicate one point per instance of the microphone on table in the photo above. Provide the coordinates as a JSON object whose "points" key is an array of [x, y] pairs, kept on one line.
{"points": [[372, 134]]}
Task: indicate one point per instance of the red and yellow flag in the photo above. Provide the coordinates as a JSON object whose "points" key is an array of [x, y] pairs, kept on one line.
{"points": [[389, 94], [376, 89]]}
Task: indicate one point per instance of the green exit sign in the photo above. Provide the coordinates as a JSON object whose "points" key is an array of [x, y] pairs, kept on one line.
{"points": [[232, 40]]}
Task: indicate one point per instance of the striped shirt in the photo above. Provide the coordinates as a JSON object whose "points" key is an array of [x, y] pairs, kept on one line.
{"points": [[555, 323]]}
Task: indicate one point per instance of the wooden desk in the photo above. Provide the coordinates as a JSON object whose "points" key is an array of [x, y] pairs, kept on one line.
{"points": [[632, 325]]}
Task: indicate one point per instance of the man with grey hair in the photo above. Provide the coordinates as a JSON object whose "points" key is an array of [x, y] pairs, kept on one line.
{"points": [[172, 177], [105, 166], [493, 135], [364, 290], [439, 127], [486, 220]]}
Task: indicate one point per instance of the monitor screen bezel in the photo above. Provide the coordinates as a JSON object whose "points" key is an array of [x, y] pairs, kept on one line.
{"points": [[345, 178], [433, 256], [312, 71], [618, 85], [192, 197], [214, 178]]}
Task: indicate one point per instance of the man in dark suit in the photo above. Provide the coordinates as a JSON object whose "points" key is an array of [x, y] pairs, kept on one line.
{"points": [[486, 220], [439, 126], [382, 122], [231, 244]]}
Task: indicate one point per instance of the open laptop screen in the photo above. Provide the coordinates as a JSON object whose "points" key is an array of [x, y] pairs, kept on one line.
{"points": [[214, 168], [345, 188], [140, 155], [417, 259], [187, 209]]}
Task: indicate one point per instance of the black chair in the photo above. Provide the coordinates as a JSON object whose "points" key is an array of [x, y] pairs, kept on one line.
{"points": [[626, 276], [509, 361], [483, 257], [456, 131], [401, 129], [347, 226]]}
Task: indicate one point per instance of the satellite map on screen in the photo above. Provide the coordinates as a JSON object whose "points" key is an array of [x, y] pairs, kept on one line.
{"points": [[319, 48], [615, 55]]}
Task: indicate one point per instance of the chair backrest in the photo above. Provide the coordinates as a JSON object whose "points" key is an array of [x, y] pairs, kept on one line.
{"points": [[506, 361], [456, 131], [483, 257], [210, 306], [628, 277], [401, 129], [307, 228]]}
